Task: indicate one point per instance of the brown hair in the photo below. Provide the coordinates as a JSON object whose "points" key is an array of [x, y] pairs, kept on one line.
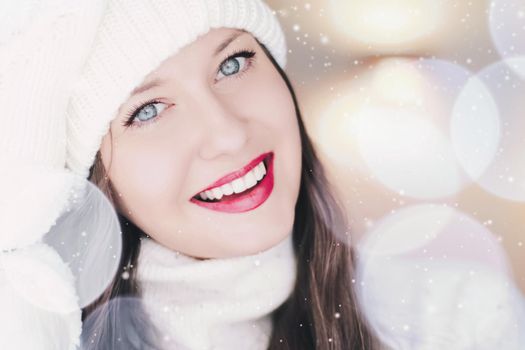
{"points": [[322, 311]]}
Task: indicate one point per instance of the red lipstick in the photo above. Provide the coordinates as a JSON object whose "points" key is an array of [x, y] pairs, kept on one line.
{"points": [[247, 200], [238, 173]]}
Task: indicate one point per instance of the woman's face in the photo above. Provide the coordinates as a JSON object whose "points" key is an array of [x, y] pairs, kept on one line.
{"points": [[202, 115]]}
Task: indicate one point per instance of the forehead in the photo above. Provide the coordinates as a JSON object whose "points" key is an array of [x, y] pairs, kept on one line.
{"points": [[206, 47]]}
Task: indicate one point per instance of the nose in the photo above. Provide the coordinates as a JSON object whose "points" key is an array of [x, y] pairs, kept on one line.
{"points": [[224, 131]]}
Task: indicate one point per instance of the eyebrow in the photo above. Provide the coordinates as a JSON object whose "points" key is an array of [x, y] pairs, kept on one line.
{"points": [[228, 41], [146, 86], [219, 49]]}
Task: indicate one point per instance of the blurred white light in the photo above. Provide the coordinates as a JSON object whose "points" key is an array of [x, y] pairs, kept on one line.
{"points": [[475, 127], [403, 132], [399, 81], [488, 129], [430, 270], [337, 127], [435, 232], [126, 326], [384, 22], [507, 26], [87, 237], [407, 152]]}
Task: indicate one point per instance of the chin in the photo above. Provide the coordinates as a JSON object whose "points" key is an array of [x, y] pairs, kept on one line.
{"points": [[257, 246]]}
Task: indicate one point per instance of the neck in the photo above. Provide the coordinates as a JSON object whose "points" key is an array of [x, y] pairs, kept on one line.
{"points": [[215, 303]]}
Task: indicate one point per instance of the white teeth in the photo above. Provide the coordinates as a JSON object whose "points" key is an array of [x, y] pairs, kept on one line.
{"points": [[217, 192], [249, 179], [236, 186], [257, 172], [227, 189]]}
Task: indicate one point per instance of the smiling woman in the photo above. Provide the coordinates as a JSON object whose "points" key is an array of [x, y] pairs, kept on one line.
{"points": [[204, 128], [184, 117]]}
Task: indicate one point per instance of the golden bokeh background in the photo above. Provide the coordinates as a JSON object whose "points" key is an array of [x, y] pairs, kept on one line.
{"points": [[401, 99]]}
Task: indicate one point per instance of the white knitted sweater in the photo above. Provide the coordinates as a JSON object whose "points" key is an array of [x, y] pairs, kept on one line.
{"points": [[220, 304]]}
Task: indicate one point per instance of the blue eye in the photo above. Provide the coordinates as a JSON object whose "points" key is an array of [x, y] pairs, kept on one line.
{"points": [[232, 65], [149, 111], [237, 62], [145, 113]]}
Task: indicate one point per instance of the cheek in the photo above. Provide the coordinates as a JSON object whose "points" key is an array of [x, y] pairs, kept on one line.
{"points": [[146, 172], [276, 111], [273, 101]]}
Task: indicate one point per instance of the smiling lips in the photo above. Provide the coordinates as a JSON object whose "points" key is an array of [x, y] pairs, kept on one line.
{"points": [[242, 190]]}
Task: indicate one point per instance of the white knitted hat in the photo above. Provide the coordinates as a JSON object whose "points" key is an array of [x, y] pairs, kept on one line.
{"points": [[134, 38]]}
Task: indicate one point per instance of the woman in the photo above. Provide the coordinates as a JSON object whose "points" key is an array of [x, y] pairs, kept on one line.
{"points": [[174, 101], [217, 185]]}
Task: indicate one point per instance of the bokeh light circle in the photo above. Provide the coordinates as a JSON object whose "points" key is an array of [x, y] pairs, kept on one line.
{"points": [[437, 229], [336, 128], [428, 271], [119, 324], [87, 237], [488, 129], [507, 27], [404, 130], [387, 23]]}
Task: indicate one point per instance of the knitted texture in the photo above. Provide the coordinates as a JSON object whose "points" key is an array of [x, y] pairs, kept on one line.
{"points": [[133, 39], [42, 48], [220, 304], [43, 45], [42, 52]]}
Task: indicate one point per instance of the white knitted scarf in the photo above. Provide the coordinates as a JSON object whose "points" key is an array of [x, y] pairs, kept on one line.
{"points": [[220, 304]]}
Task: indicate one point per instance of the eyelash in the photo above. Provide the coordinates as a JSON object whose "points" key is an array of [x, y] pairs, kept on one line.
{"points": [[135, 109]]}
